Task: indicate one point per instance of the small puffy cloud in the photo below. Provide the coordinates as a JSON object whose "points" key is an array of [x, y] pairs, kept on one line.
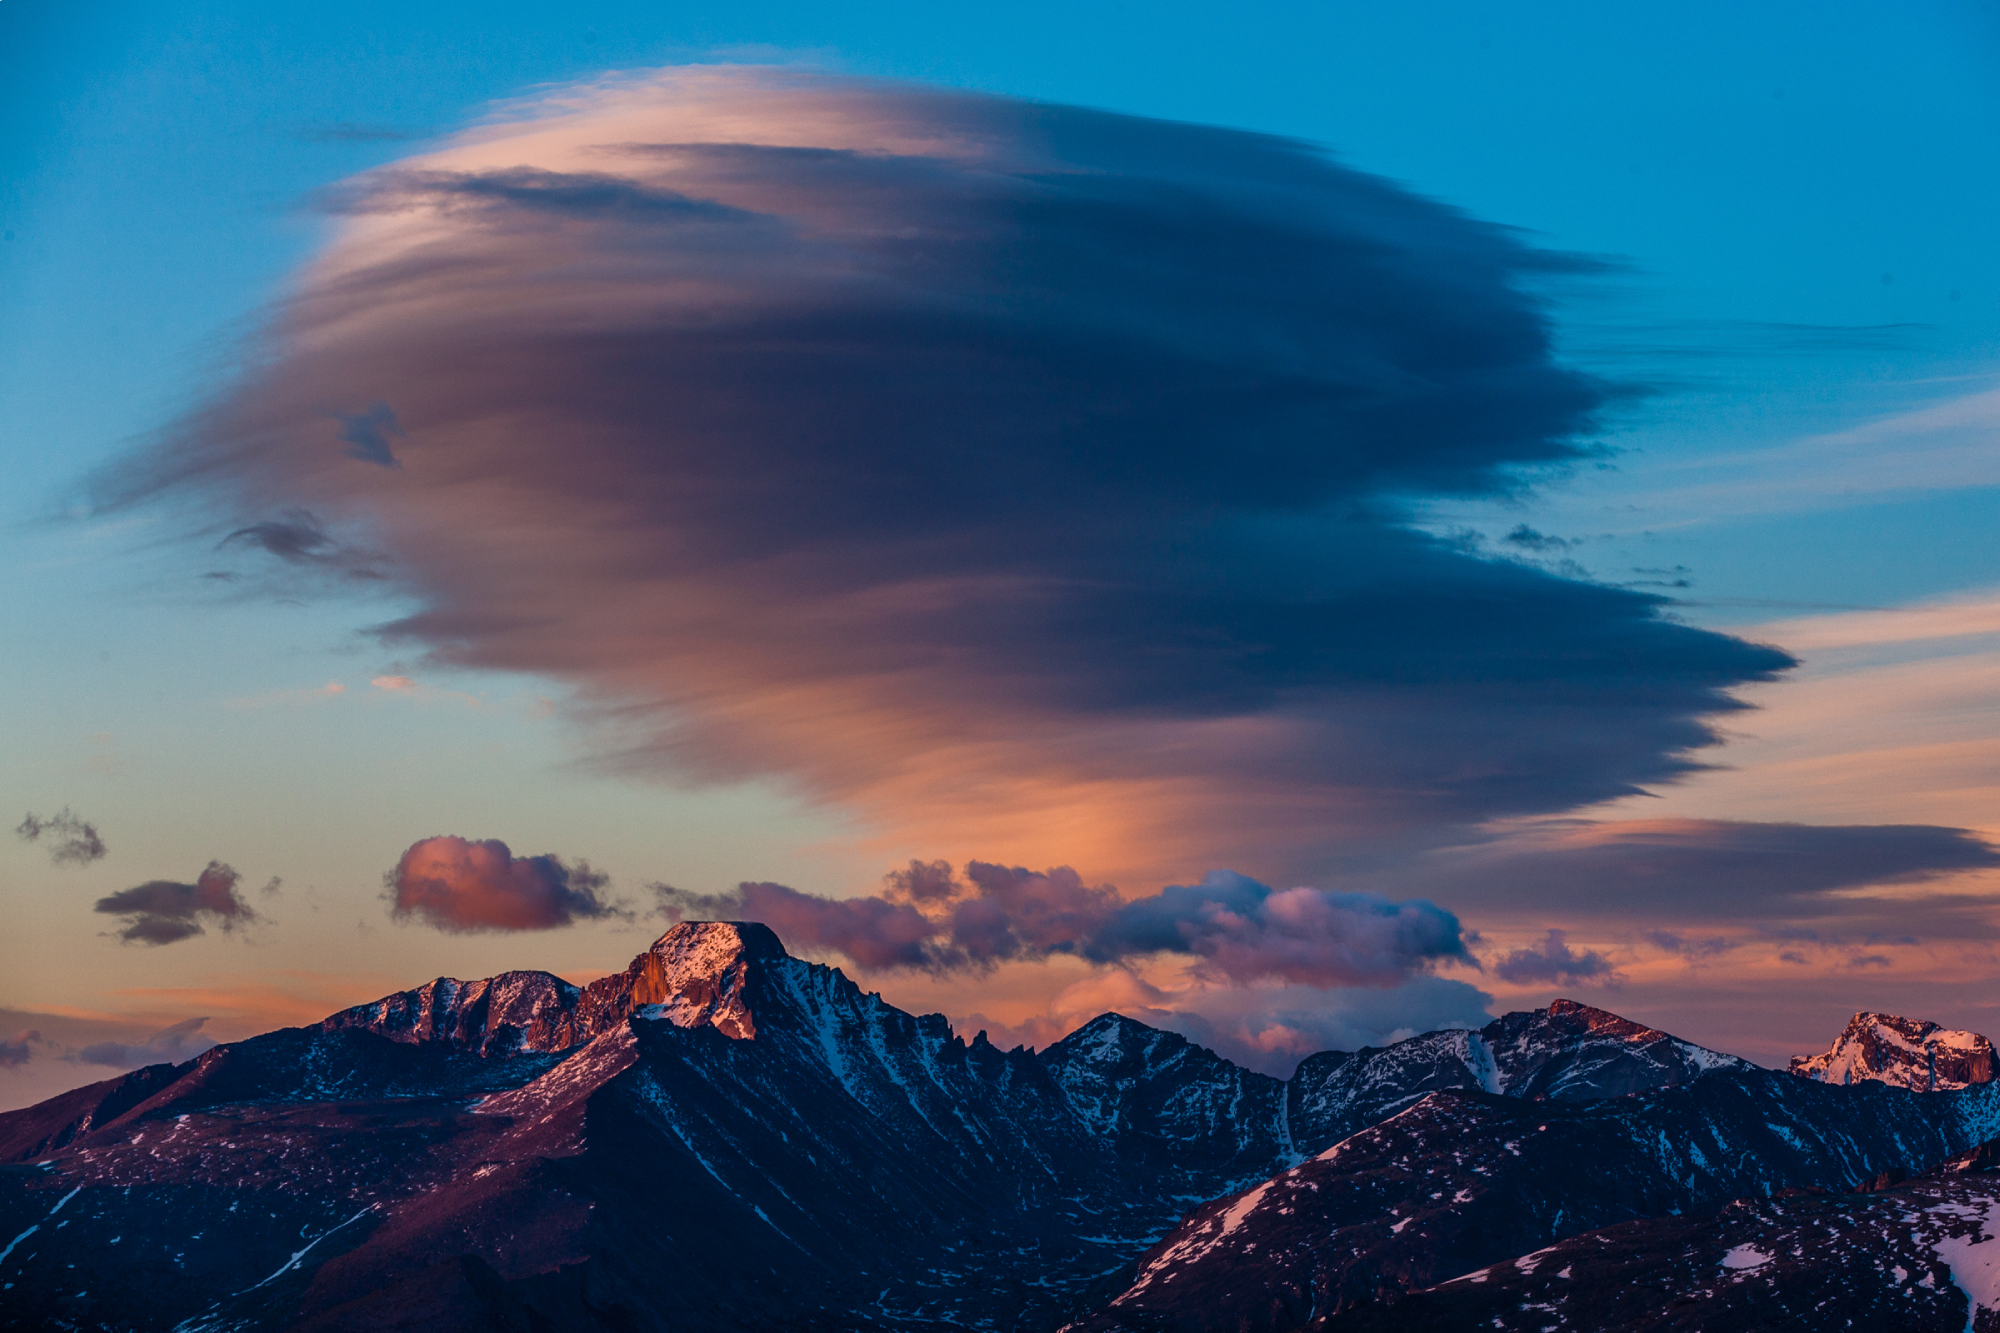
{"points": [[167, 1046], [20, 1050], [1240, 931], [394, 684], [1553, 963], [460, 885], [161, 911], [71, 841]]}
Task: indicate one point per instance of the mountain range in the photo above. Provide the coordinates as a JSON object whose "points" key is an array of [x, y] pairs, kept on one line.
{"points": [[723, 1136]]}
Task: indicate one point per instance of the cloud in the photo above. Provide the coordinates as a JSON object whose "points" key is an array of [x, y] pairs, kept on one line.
{"points": [[19, 1051], [1236, 930], [298, 538], [1691, 872], [162, 911], [459, 885], [976, 465], [1554, 963], [368, 434], [168, 1046], [72, 841], [394, 684]]}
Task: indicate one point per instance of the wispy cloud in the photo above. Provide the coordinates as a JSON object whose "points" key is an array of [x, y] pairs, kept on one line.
{"points": [[71, 841]]}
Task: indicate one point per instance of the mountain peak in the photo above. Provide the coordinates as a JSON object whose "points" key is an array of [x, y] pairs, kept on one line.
{"points": [[1904, 1052], [695, 944], [698, 973]]}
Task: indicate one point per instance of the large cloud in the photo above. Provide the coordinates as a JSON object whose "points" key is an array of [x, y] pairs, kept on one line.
{"points": [[461, 885], [1012, 474], [161, 911], [1237, 930]]}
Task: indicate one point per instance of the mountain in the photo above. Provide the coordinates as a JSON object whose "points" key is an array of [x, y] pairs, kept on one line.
{"points": [[1566, 1052], [1904, 1052], [1919, 1256], [722, 1136], [1465, 1179]]}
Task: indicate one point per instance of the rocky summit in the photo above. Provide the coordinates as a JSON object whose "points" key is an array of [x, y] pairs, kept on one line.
{"points": [[723, 1136], [1907, 1053]]}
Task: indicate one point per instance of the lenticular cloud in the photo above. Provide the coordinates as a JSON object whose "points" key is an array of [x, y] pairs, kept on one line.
{"points": [[999, 471]]}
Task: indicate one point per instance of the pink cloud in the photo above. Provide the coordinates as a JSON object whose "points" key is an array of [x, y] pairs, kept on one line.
{"points": [[459, 885]]}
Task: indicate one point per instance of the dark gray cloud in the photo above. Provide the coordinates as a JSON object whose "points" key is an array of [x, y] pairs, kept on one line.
{"points": [[20, 1050], [368, 435], [1553, 963], [162, 911], [71, 841], [950, 455], [167, 1046], [1241, 931], [1685, 873], [299, 539], [464, 885]]}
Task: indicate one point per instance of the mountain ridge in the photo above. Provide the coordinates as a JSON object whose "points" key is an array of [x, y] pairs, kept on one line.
{"points": [[497, 1153]]}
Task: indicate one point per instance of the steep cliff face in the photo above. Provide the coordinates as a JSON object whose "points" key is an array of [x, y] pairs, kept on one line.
{"points": [[1902, 1052]]}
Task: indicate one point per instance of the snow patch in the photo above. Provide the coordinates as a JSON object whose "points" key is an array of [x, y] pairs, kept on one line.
{"points": [[1745, 1256]]}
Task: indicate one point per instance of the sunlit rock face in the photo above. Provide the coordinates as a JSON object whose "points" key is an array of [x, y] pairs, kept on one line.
{"points": [[698, 972], [1902, 1052]]}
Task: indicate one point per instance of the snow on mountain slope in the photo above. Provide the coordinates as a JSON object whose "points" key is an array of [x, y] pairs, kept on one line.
{"points": [[1904, 1052]]}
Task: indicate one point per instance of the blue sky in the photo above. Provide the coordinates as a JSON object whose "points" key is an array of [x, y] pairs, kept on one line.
{"points": [[1793, 207]]}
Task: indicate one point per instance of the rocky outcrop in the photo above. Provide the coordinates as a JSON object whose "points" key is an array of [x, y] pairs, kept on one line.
{"points": [[1902, 1052]]}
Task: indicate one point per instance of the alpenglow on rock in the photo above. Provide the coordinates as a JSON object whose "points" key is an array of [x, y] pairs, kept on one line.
{"points": [[1904, 1052]]}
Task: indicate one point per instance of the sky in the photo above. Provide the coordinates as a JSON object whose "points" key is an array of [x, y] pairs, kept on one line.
{"points": [[1301, 526]]}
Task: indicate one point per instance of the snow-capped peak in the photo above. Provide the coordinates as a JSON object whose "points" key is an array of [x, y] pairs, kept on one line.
{"points": [[1904, 1052]]}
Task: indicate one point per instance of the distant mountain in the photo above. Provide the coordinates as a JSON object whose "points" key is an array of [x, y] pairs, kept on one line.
{"points": [[1904, 1052], [1566, 1052], [725, 1137]]}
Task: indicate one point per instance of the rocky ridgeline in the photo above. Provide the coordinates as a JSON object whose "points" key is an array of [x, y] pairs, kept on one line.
{"points": [[723, 1136]]}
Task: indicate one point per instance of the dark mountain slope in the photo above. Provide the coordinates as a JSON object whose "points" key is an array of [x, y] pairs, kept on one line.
{"points": [[1919, 1256], [1467, 1179]]}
